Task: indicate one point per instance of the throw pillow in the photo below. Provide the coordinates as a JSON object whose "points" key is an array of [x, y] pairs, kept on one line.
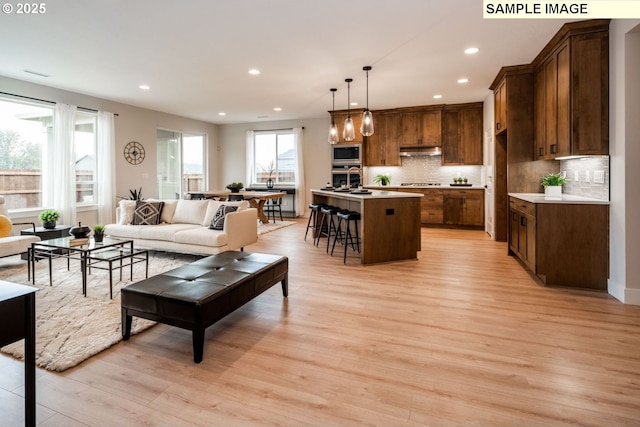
{"points": [[125, 214], [168, 209], [5, 226], [213, 206], [147, 213], [217, 223]]}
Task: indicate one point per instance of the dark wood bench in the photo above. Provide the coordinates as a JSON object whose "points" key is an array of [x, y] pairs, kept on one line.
{"points": [[197, 295]]}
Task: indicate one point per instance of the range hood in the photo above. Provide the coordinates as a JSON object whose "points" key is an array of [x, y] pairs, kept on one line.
{"points": [[420, 151]]}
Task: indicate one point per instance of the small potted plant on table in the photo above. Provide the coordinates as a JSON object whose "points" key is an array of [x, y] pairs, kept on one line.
{"points": [[49, 218], [552, 184], [98, 233], [235, 187]]}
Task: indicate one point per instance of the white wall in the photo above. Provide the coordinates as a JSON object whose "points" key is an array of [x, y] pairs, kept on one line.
{"points": [[624, 144], [132, 124], [317, 154]]}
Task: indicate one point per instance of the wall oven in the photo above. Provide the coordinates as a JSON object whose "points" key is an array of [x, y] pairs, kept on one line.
{"points": [[346, 154]]}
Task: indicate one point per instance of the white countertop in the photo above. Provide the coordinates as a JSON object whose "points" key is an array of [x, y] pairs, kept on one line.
{"points": [[433, 187], [563, 199], [375, 194]]}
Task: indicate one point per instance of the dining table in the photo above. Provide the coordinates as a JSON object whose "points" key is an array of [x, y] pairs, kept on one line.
{"points": [[256, 199]]}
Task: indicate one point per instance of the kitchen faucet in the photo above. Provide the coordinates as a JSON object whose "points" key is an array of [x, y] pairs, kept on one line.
{"points": [[353, 169]]}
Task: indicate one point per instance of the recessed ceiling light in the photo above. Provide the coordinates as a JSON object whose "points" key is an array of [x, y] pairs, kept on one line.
{"points": [[471, 50], [354, 104], [222, 113], [463, 80], [437, 96], [277, 109], [254, 72], [144, 87]]}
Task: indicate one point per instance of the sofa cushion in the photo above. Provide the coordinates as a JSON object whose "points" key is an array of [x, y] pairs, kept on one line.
{"points": [[168, 209], [165, 231], [190, 211], [217, 223], [147, 213], [214, 205], [127, 208], [202, 236]]}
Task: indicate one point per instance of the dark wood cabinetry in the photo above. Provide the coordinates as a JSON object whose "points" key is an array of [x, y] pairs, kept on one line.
{"points": [[571, 93], [564, 244], [500, 107], [383, 147], [421, 127], [463, 207], [462, 135]]}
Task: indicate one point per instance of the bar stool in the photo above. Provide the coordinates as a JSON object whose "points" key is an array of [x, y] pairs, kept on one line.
{"points": [[315, 211], [327, 211], [348, 217]]}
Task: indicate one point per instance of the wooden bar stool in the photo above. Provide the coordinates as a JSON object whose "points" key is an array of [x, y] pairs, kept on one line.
{"points": [[330, 212], [346, 236]]}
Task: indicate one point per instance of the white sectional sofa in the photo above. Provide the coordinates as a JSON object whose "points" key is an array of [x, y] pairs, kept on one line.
{"points": [[184, 226]]}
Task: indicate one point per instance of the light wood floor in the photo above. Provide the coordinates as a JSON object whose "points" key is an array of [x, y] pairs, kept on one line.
{"points": [[463, 336]]}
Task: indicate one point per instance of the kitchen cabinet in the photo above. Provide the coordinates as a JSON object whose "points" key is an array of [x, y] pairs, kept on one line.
{"points": [[500, 104], [463, 207], [421, 127], [522, 236], [356, 115], [462, 135], [383, 147], [431, 205], [563, 243], [572, 94]]}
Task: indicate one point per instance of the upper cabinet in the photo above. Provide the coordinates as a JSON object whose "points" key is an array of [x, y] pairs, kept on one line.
{"points": [[462, 134], [571, 92], [421, 126], [500, 104], [383, 147], [356, 115]]}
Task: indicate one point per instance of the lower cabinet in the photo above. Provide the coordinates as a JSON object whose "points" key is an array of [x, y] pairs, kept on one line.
{"points": [[565, 244], [522, 236], [464, 207]]}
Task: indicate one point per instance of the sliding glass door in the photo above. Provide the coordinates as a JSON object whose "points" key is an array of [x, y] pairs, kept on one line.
{"points": [[181, 163]]}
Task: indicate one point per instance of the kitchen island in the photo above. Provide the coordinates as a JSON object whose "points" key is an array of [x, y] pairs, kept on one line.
{"points": [[389, 224]]}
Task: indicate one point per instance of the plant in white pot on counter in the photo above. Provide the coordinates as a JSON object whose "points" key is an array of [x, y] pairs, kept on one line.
{"points": [[552, 184], [382, 179]]}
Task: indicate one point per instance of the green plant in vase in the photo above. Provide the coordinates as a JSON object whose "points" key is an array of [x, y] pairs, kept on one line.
{"points": [[382, 179], [235, 187], [98, 232], [49, 218]]}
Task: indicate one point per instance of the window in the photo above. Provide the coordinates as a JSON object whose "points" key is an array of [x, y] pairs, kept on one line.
{"points": [[180, 163], [26, 132], [274, 157]]}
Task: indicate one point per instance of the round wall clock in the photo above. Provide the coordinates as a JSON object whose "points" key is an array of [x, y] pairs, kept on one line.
{"points": [[134, 152]]}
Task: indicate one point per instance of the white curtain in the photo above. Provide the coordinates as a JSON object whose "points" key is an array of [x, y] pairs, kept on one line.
{"points": [[301, 198], [249, 158], [105, 167], [59, 191]]}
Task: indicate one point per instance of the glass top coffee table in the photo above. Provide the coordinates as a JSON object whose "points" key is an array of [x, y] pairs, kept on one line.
{"points": [[118, 254]]}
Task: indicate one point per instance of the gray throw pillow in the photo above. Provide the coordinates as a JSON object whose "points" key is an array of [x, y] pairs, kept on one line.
{"points": [[147, 213], [217, 223]]}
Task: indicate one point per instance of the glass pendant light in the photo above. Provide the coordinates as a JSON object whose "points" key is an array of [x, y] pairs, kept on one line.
{"points": [[366, 128], [348, 133], [333, 129]]}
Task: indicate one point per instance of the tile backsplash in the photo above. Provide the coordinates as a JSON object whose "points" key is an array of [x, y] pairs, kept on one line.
{"points": [[587, 176], [424, 169]]}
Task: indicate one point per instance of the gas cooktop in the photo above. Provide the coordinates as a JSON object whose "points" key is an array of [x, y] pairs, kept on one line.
{"points": [[420, 184]]}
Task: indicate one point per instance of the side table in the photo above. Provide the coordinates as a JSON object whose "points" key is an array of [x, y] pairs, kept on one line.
{"points": [[46, 234]]}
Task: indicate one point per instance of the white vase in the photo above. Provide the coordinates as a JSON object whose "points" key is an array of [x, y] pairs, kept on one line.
{"points": [[554, 191]]}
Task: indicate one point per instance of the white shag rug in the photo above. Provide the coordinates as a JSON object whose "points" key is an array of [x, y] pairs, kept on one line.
{"points": [[71, 328], [273, 226]]}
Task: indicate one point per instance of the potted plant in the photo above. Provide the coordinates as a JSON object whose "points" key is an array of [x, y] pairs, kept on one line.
{"points": [[235, 187], [382, 179], [49, 218], [270, 169], [552, 184], [98, 232]]}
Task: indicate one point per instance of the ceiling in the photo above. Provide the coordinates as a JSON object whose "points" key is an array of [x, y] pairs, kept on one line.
{"points": [[195, 54]]}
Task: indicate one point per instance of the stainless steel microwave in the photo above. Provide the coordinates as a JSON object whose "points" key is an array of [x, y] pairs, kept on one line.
{"points": [[346, 154]]}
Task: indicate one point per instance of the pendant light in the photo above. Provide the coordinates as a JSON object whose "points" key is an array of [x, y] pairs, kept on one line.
{"points": [[366, 128], [333, 129], [348, 133]]}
